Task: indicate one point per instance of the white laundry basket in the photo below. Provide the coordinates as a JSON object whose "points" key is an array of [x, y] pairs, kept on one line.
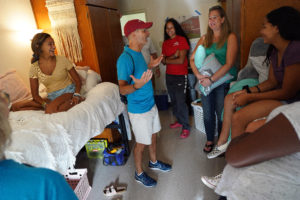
{"points": [[198, 115]]}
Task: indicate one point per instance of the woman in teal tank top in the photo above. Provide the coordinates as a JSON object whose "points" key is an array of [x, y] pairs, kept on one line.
{"points": [[223, 43], [220, 54]]}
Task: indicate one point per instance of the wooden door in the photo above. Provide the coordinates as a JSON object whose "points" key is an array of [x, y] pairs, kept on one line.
{"points": [[246, 17], [108, 40]]}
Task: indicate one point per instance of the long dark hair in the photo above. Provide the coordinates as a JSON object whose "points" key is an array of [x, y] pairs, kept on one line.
{"points": [[36, 45], [225, 29], [287, 20], [178, 31]]}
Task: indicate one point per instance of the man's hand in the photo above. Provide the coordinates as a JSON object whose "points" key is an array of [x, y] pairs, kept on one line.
{"points": [[138, 83], [155, 62]]}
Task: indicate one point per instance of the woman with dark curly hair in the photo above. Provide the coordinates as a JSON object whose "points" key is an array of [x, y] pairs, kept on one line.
{"points": [[175, 50], [281, 30]]}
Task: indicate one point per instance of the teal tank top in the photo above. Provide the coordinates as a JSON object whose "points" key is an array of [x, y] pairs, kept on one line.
{"points": [[220, 54]]}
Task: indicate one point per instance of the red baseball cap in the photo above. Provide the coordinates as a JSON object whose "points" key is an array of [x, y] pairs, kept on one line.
{"points": [[135, 24]]}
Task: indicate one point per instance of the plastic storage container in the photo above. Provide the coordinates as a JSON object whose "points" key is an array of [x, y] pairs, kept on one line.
{"points": [[79, 182], [95, 148], [161, 100]]}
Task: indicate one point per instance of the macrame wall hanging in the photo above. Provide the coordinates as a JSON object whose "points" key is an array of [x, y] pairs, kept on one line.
{"points": [[64, 28]]}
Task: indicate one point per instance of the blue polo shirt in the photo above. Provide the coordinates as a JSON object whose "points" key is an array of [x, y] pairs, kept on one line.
{"points": [[141, 100]]}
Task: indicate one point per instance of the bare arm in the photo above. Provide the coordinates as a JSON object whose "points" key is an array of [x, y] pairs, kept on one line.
{"points": [[275, 139], [231, 53], [34, 87], [192, 60], [176, 59], [290, 85], [125, 88], [267, 85]]}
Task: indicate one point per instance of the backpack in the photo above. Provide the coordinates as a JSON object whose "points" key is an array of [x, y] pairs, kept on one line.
{"points": [[114, 159]]}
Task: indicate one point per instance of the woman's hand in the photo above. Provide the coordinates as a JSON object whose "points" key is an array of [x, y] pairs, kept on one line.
{"points": [[138, 83], [241, 99], [236, 94], [200, 77], [205, 82], [77, 99]]}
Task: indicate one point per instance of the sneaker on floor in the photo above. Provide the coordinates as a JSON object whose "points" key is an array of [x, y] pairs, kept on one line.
{"points": [[175, 125], [217, 150], [160, 166], [185, 133], [145, 180], [211, 182]]}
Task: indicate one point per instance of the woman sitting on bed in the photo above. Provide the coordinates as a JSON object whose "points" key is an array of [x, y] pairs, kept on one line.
{"points": [[281, 30], [56, 73]]}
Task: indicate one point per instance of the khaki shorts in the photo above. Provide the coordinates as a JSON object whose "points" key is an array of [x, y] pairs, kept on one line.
{"points": [[144, 125]]}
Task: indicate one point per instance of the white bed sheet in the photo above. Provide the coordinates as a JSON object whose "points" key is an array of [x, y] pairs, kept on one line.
{"points": [[53, 140]]}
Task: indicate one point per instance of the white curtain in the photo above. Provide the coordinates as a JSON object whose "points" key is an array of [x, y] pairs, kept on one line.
{"points": [[64, 28]]}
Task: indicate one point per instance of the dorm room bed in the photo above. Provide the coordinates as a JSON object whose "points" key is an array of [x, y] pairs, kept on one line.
{"points": [[53, 140]]}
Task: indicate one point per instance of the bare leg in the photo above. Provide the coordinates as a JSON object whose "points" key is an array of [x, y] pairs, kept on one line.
{"points": [[26, 105], [253, 126], [253, 111], [61, 103], [229, 109], [152, 149], [138, 155]]}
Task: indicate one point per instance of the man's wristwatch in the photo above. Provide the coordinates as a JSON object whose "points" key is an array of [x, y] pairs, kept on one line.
{"points": [[246, 87]]}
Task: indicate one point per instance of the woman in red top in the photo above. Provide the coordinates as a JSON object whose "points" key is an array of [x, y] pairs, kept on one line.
{"points": [[175, 50]]}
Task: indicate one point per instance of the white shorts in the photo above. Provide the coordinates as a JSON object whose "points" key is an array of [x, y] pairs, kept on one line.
{"points": [[144, 125]]}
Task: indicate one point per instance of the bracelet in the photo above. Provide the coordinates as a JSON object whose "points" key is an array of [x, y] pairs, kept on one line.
{"points": [[210, 80], [246, 87], [76, 94], [258, 89], [134, 87]]}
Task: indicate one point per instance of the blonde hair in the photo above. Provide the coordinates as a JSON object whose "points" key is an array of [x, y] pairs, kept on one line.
{"points": [[5, 130], [225, 29]]}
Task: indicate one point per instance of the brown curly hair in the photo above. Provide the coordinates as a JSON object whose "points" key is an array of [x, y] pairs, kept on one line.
{"points": [[36, 45]]}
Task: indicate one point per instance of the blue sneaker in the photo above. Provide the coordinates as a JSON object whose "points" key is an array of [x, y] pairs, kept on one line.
{"points": [[145, 180], [160, 166]]}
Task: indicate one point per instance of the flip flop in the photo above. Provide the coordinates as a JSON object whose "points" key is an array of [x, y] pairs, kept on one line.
{"points": [[111, 190], [209, 146]]}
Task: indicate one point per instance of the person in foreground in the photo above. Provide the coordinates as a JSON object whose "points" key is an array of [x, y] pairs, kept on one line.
{"points": [[135, 82], [176, 48], [223, 43], [264, 164], [281, 29], [20, 181], [56, 73]]}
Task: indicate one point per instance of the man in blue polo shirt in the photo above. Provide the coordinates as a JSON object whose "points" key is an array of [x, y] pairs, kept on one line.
{"points": [[135, 82]]}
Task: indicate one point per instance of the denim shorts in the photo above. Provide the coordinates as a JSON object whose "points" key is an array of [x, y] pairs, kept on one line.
{"points": [[69, 89]]}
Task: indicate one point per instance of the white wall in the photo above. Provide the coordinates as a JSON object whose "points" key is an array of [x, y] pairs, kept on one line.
{"points": [[158, 10], [17, 27]]}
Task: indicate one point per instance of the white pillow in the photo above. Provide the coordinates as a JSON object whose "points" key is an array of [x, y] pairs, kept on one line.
{"points": [[11, 83], [209, 67], [261, 67], [92, 80]]}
